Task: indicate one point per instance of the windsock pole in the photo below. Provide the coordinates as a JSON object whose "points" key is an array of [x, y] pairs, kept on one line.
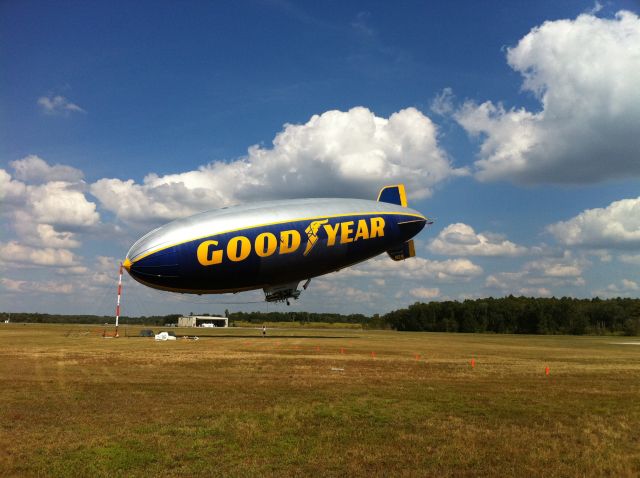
{"points": [[118, 303]]}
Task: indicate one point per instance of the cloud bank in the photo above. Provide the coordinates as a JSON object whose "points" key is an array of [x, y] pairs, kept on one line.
{"points": [[461, 240], [585, 73], [336, 154], [539, 277], [615, 226], [416, 268], [46, 208], [34, 169]]}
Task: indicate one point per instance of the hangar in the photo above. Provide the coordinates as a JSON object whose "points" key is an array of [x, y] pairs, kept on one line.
{"points": [[203, 321]]}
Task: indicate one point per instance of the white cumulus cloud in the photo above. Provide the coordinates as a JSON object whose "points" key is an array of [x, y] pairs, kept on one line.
{"points": [[59, 203], [539, 277], [58, 105], [625, 288], [14, 252], [461, 240], [630, 259], [516, 283], [425, 293], [10, 189], [33, 169], [565, 267], [585, 73], [26, 287], [48, 207], [415, 268], [330, 289], [338, 153], [617, 225], [443, 103]]}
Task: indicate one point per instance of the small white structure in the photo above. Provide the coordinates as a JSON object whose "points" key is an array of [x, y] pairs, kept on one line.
{"points": [[203, 321], [165, 336]]}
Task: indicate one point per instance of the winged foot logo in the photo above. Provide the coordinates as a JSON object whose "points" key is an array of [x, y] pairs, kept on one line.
{"points": [[265, 244]]}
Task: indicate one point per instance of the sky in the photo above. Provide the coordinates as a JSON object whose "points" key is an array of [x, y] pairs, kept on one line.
{"points": [[515, 125]]}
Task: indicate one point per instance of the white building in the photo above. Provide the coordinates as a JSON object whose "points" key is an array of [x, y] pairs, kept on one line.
{"points": [[203, 321]]}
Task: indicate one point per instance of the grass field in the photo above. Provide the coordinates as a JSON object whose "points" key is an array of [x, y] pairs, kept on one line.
{"points": [[293, 404]]}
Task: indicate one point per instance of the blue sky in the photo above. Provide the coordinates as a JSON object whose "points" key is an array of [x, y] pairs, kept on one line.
{"points": [[516, 124]]}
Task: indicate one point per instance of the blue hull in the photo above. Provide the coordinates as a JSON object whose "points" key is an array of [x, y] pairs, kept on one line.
{"points": [[254, 257]]}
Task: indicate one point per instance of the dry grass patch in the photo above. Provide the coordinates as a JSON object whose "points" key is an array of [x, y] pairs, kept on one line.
{"points": [[237, 404]]}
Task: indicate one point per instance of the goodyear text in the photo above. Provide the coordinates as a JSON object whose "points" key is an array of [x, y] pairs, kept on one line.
{"points": [[265, 244]]}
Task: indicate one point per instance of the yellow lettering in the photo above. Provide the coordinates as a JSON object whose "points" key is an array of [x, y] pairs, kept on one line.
{"points": [[377, 227], [289, 241], [345, 230], [232, 248], [203, 254], [312, 234], [265, 250], [332, 232], [363, 230]]}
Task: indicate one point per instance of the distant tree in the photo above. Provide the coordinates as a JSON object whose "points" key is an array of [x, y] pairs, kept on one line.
{"points": [[522, 315]]}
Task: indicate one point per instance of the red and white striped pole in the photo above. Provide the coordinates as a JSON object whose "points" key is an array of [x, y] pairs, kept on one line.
{"points": [[119, 294]]}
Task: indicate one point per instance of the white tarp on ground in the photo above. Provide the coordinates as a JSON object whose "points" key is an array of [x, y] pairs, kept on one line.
{"points": [[164, 336]]}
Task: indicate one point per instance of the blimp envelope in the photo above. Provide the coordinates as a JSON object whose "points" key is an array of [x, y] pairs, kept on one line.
{"points": [[273, 245]]}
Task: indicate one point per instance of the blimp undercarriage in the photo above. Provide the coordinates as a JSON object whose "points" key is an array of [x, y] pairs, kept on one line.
{"points": [[282, 293]]}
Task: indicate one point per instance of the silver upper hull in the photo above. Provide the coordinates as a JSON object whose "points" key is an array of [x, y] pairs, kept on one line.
{"points": [[252, 215]]}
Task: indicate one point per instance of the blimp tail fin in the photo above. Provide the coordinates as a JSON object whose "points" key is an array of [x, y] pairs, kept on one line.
{"points": [[403, 252], [393, 194]]}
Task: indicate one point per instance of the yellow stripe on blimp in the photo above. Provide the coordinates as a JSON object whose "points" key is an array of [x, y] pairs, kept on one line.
{"points": [[380, 213], [403, 195]]}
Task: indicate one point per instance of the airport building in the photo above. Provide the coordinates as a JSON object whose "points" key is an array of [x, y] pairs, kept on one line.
{"points": [[203, 321]]}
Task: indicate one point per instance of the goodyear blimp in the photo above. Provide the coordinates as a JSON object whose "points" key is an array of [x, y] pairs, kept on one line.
{"points": [[274, 245]]}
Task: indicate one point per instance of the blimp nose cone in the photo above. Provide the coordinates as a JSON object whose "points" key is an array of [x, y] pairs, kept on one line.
{"points": [[412, 227], [157, 269]]}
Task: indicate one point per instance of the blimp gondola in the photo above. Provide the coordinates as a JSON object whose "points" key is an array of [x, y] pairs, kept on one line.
{"points": [[273, 245]]}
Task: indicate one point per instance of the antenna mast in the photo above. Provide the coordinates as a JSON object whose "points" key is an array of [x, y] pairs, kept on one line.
{"points": [[118, 303]]}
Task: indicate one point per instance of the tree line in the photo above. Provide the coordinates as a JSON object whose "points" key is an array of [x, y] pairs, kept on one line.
{"points": [[522, 315], [37, 318], [507, 315]]}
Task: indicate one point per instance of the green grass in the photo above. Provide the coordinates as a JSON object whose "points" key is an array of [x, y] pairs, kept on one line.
{"points": [[236, 404]]}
